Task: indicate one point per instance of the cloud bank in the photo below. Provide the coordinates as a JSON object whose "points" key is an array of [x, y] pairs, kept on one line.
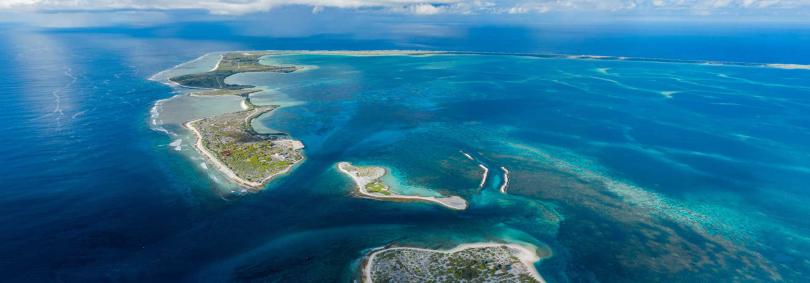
{"points": [[435, 7]]}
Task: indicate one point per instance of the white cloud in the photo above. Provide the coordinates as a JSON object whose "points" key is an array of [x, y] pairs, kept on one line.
{"points": [[422, 7], [425, 9]]}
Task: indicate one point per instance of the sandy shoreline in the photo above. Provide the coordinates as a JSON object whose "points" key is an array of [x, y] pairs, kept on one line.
{"points": [[538, 55], [527, 256], [505, 179], [217, 65], [346, 52], [467, 155], [215, 161], [208, 156], [158, 74], [211, 158], [452, 202], [789, 66], [484, 177]]}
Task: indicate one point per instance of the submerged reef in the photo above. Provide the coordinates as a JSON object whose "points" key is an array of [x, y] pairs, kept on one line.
{"points": [[627, 227]]}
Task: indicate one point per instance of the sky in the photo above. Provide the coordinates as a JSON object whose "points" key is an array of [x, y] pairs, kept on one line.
{"points": [[730, 29], [501, 8]]}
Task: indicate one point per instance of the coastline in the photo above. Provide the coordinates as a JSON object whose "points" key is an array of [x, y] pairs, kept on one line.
{"points": [[401, 52], [155, 76], [467, 155], [210, 157], [484, 177], [527, 256], [217, 163], [789, 66], [245, 105], [218, 62], [452, 202], [505, 179]]}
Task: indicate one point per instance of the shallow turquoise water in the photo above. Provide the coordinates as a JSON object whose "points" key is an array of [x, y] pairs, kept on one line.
{"points": [[625, 170], [687, 155]]}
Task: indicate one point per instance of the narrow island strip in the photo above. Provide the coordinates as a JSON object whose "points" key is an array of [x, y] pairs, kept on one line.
{"points": [[467, 155], [484, 176], [505, 179], [475, 262], [486, 170], [368, 181]]}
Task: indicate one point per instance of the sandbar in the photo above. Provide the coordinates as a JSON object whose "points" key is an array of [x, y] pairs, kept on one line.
{"points": [[368, 184]]}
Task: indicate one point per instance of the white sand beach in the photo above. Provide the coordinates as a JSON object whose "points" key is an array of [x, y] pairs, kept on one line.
{"points": [[505, 179], [452, 202], [484, 177], [209, 157]]}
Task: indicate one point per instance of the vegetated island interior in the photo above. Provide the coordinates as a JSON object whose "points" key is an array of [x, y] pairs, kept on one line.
{"points": [[477, 262], [228, 141]]}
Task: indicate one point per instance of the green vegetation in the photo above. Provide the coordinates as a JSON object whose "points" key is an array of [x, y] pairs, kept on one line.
{"points": [[477, 264], [212, 79], [249, 155], [229, 137], [377, 187], [230, 64]]}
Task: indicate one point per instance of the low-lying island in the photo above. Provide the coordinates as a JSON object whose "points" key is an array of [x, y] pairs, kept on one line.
{"points": [[248, 158], [228, 141], [368, 181], [476, 262]]}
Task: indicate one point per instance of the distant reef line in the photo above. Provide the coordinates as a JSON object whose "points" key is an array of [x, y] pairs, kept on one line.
{"points": [[394, 52]]}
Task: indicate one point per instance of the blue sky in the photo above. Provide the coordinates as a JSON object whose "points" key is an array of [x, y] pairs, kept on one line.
{"points": [[436, 7]]}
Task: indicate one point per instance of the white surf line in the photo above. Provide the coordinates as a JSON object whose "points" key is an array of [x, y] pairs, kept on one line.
{"points": [[158, 74], [484, 177], [177, 144], [218, 62], [789, 66], [154, 114], [505, 179]]}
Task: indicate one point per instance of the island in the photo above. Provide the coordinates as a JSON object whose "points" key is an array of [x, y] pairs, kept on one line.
{"points": [[230, 64], [228, 141], [368, 181], [505, 179], [248, 158], [477, 262]]}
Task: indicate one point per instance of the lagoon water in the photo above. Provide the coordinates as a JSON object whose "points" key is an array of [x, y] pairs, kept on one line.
{"points": [[619, 170]]}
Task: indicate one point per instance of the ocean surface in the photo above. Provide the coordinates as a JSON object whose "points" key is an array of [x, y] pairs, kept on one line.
{"points": [[620, 170]]}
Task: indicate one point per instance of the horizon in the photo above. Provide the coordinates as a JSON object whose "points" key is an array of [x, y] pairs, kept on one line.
{"points": [[695, 38], [405, 141]]}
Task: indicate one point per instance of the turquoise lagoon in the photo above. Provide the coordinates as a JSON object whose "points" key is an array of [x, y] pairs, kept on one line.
{"points": [[621, 169]]}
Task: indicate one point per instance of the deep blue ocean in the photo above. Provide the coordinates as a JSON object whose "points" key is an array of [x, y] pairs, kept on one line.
{"points": [[625, 171]]}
